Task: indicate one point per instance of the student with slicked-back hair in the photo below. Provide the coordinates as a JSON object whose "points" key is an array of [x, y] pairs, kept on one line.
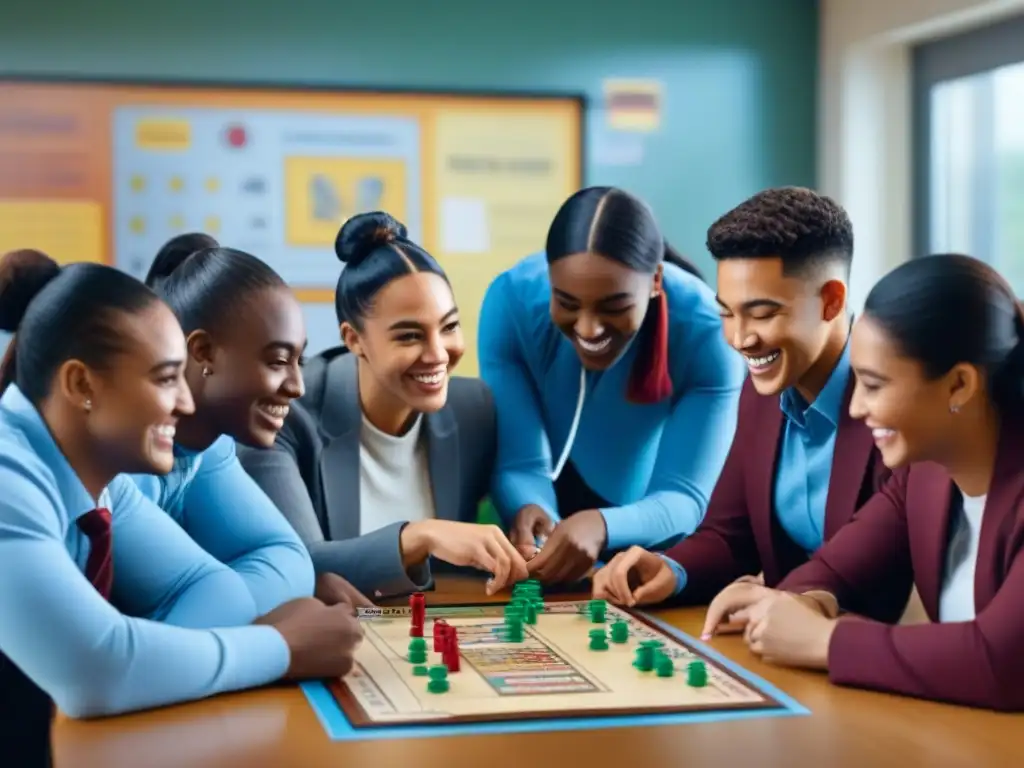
{"points": [[382, 465], [616, 392], [92, 388], [246, 338]]}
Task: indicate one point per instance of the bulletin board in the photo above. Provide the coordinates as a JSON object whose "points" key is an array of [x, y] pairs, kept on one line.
{"points": [[109, 171]]}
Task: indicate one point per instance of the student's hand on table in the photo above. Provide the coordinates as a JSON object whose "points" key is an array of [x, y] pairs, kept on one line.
{"points": [[532, 525], [332, 589], [790, 630], [321, 638], [726, 614], [635, 577], [572, 548]]}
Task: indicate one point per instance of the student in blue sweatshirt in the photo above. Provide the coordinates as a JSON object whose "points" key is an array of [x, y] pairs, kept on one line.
{"points": [[615, 389], [92, 388], [246, 337]]}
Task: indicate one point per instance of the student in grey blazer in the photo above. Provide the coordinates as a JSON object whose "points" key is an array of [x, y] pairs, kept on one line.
{"points": [[382, 464]]}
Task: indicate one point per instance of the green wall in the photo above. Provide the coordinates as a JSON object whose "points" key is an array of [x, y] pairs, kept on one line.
{"points": [[739, 76]]}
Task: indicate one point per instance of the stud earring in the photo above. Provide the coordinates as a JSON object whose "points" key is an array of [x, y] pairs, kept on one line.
{"points": [[88, 406], [954, 409], [206, 372]]}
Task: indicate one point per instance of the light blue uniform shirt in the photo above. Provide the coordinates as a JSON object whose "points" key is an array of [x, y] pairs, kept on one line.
{"points": [[91, 658], [655, 463], [222, 508], [804, 467]]}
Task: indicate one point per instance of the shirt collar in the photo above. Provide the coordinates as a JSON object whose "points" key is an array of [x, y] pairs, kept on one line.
{"points": [[20, 414], [829, 401]]}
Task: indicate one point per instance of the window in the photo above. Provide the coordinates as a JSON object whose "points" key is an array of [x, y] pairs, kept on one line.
{"points": [[969, 147]]}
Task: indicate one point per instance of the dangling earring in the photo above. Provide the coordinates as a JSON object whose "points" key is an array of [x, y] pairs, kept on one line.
{"points": [[206, 372], [88, 406]]}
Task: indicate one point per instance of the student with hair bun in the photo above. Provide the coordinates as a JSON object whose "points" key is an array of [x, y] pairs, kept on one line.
{"points": [[616, 391], [92, 389], [939, 359], [383, 465], [246, 337]]}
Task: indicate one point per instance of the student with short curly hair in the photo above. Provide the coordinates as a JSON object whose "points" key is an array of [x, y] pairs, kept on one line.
{"points": [[800, 465]]}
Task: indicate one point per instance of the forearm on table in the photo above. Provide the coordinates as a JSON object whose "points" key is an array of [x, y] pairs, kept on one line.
{"points": [[373, 563]]}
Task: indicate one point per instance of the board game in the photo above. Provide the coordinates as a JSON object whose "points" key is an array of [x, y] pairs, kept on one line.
{"points": [[532, 664]]}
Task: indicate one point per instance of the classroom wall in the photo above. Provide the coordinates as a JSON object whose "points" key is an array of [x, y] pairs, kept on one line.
{"points": [[739, 76], [864, 121]]}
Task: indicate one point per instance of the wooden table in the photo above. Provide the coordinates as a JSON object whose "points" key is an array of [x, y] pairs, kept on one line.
{"points": [[276, 728]]}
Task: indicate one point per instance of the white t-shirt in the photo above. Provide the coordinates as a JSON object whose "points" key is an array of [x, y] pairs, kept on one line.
{"points": [[956, 603], [394, 477]]}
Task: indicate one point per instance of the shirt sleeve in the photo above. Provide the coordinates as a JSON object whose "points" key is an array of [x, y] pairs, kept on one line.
{"points": [[230, 516], [970, 663], [679, 572], [693, 449], [523, 468], [372, 563], [90, 658]]}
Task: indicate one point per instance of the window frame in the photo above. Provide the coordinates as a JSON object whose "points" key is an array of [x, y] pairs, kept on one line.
{"points": [[968, 53]]}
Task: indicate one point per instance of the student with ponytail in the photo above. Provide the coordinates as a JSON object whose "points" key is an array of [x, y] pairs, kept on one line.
{"points": [[616, 392], [92, 388], [246, 336], [939, 360]]}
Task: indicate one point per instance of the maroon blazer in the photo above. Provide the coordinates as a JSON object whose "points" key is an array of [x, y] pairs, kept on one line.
{"points": [[740, 534], [899, 539]]}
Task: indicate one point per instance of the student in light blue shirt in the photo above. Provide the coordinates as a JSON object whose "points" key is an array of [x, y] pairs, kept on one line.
{"points": [[246, 337], [92, 388], [615, 390]]}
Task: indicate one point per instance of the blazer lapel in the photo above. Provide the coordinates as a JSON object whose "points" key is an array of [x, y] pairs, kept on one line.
{"points": [[762, 456], [444, 460], [1004, 496], [930, 500], [850, 457], [339, 461]]}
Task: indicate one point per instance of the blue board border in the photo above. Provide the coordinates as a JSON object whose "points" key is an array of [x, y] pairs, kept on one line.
{"points": [[338, 728]]}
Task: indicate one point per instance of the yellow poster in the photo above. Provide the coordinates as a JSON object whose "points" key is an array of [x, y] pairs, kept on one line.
{"points": [[324, 192], [500, 178]]}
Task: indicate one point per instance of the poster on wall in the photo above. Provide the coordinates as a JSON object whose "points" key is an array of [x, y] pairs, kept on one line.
{"points": [[108, 172]]}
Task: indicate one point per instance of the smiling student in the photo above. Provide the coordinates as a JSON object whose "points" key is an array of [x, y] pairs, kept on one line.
{"points": [[246, 336], [91, 385], [382, 465], [800, 465], [616, 392], [939, 360]]}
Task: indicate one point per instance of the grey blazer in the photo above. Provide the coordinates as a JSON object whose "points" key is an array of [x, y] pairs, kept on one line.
{"points": [[312, 472]]}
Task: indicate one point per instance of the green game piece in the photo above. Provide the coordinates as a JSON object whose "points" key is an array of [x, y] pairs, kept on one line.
{"points": [[597, 611], [437, 686], [419, 670], [598, 640], [418, 657], [663, 665], [531, 613], [438, 672], [418, 644], [514, 631], [696, 674], [645, 653], [620, 631]]}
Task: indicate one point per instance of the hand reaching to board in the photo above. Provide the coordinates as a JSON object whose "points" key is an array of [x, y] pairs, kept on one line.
{"points": [[635, 577], [484, 547], [321, 639]]}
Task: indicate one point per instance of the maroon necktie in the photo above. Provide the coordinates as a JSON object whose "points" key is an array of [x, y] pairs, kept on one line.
{"points": [[99, 569]]}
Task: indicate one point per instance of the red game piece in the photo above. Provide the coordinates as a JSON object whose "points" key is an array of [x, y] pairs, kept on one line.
{"points": [[418, 606], [439, 626], [450, 656]]}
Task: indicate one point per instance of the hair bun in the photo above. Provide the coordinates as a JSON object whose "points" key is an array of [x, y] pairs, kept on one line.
{"points": [[361, 234], [23, 274], [174, 253]]}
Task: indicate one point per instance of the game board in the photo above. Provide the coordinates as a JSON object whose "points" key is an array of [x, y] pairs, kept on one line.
{"points": [[577, 664]]}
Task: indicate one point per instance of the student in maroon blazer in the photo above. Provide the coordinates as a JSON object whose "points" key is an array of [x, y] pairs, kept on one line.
{"points": [[799, 465], [939, 360]]}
